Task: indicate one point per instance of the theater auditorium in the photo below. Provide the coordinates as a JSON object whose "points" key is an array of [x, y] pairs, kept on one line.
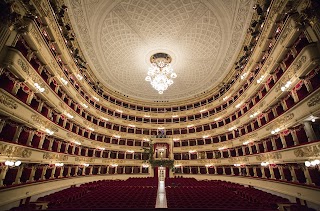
{"points": [[160, 105]]}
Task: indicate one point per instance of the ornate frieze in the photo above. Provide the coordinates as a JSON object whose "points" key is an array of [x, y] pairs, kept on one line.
{"points": [[280, 122], [238, 159], [314, 100], [308, 151], [55, 156], [14, 151], [8, 101], [269, 156], [205, 161], [44, 123]]}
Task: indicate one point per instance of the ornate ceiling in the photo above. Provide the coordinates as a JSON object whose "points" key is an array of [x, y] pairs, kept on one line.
{"points": [[203, 37]]}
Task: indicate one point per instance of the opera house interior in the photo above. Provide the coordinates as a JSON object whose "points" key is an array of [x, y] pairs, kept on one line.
{"points": [[159, 104]]}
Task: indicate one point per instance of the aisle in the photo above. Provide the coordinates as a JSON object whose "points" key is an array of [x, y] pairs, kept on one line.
{"points": [[161, 196]]}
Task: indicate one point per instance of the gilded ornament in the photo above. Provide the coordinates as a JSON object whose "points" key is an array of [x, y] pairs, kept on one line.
{"points": [[8, 102]]}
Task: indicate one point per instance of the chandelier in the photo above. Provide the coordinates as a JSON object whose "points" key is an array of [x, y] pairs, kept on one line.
{"points": [[160, 73]]}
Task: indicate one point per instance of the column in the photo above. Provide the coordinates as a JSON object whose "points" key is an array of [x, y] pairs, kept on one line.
{"points": [[207, 170], [293, 174], [265, 148], [53, 172], [86, 151], [250, 150], [84, 171], [273, 142], [271, 172], [257, 147], [76, 171], [17, 134], [307, 175], [50, 144], [255, 171], [282, 177], [263, 172], [116, 170], [30, 137], [132, 169], [43, 173], [198, 169], [140, 169], [247, 171], [18, 176], [99, 170], [32, 173], [66, 148], [232, 171], [41, 141], [237, 152], [2, 123], [223, 170], [108, 168], [69, 171], [59, 146], [215, 170], [295, 137], [3, 174], [310, 132], [73, 149], [283, 141], [61, 172]]}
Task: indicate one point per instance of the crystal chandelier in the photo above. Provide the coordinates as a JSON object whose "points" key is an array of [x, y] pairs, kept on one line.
{"points": [[160, 73]]}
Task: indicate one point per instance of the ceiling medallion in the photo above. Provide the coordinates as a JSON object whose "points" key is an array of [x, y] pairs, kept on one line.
{"points": [[160, 73]]}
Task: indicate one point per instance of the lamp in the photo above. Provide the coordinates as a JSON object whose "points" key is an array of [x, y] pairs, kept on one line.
{"points": [[160, 73]]}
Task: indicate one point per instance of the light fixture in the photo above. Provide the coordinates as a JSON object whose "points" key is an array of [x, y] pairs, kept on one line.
{"points": [[192, 151], [260, 79], [146, 116], [77, 142], [208, 165], [238, 105], [105, 119], [131, 125], [114, 165], [59, 164], [117, 110], [12, 163], [225, 98], [264, 163], [86, 164], [116, 136], [145, 165], [312, 163], [237, 164], [160, 73], [205, 136], [97, 99], [254, 114], [246, 142], [130, 151], [232, 128], [68, 115], [216, 119], [41, 89], [275, 131], [90, 128], [189, 126], [284, 88], [64, 81], [101, 148], [243, 75], [176, 139], [177, 165], [84, 105], [174, 116], [221, 148], [50, 132], [79, 77], [203, 110], [145, 139]]}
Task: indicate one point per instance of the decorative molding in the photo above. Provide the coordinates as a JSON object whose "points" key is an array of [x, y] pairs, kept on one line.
{"points": [[281, 122], [238, 159], [314, 100], [269, 156], [55, 156], [8, 101], [206, 161], [84, 159], [14, 151], [307, 151], [44, 123]]}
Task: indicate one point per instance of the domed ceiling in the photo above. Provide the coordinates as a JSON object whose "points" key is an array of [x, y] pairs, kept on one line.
{"points": [[203, 37]]}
